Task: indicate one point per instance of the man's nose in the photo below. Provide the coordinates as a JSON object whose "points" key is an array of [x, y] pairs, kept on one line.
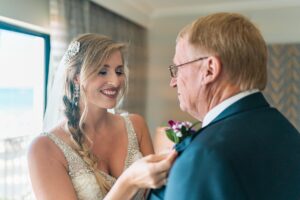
{"points": [[173, 82]]}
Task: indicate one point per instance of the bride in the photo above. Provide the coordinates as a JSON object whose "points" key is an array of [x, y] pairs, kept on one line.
{"points": [[95, 154]]}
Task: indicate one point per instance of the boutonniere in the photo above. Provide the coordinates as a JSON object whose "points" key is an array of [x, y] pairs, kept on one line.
{"points": [[177, 130]]}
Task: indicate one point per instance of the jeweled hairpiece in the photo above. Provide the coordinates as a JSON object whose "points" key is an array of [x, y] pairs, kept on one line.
{"points": [[73, 49]]}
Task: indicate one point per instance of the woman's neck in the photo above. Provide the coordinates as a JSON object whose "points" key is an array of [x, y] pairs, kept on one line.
{"points": [[95, 120]]}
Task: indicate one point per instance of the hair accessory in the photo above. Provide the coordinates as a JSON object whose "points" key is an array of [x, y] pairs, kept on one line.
{"points": [[73, 49], [75, 99]]}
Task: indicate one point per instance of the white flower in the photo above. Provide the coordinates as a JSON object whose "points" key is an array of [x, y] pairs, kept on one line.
{"points": [[178, 133], [180, 126], [188, 124], [174, 127]]}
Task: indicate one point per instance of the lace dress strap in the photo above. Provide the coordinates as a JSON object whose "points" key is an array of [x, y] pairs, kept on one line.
{"points": [[133, 144], [83, 179], [76, 166], [133, 153]]}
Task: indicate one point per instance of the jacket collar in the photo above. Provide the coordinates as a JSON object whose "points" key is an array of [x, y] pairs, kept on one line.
{"points": [[251, 102]]}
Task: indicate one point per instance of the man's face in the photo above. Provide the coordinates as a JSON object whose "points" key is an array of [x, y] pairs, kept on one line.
{"points": [[188, 80]]}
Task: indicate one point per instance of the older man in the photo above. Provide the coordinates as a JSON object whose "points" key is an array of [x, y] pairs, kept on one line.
{"points": [[245, 148]]}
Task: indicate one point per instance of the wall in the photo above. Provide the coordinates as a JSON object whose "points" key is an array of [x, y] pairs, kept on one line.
{"points": [[277, 26], [283, 91], [162, 100], [34, 12]]}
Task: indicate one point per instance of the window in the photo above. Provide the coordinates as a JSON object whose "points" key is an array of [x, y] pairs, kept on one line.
{"points": [[24, 60]]}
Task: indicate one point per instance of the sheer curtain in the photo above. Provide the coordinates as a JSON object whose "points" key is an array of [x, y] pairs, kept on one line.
{"points": [[107, 23], [68, 18], [283, 90]]}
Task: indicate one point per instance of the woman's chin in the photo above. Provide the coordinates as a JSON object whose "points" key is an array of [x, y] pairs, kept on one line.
{"points": [[106, 105], [111, 106]]}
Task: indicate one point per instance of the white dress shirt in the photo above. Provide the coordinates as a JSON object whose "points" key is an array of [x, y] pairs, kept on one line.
{"points": [[213, 113]]}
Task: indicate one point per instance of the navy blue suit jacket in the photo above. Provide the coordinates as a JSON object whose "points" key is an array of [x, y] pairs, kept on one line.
{"points": [[250, 151]]}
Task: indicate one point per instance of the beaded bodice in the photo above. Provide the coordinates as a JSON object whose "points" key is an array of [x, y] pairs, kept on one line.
{"points": [[83, 179]]}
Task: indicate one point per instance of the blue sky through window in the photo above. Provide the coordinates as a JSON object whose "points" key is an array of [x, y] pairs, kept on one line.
{"points": [[22, 65]]}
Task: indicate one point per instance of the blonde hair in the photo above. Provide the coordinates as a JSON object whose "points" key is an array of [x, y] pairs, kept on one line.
{"points": [[237, 42], [93, 51]]}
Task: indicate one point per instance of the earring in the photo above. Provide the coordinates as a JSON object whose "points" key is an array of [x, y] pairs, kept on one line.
{"points": [[76, 95]]}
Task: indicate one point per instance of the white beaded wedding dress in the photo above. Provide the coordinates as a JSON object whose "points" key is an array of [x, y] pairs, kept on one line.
{"points": [[82, 177]]}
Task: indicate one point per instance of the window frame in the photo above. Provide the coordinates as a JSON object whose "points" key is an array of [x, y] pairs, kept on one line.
{"points": [[20, 29]]}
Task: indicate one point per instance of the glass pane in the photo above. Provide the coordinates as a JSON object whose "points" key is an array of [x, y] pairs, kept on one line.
{"points": [[21, 84], [22, 66]]}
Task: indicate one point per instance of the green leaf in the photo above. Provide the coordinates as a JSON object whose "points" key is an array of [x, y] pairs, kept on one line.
{"points": [[177, 139], [183, 130], [170, 135]]}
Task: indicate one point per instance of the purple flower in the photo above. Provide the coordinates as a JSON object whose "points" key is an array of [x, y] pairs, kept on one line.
{"points": [[177, 130], [171, 122]]}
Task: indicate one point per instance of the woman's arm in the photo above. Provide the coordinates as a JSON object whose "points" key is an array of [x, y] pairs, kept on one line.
{"points": [[148, 172], [48, 173]]}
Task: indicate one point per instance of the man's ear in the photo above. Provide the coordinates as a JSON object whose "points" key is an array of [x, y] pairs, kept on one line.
{"points": [[213, 69]]}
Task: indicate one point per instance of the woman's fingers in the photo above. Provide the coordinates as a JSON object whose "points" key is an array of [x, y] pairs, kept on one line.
{"points": [[165, 164], [170, 157], [152, 170], [161, 183], [155, 157], [159, 180]]}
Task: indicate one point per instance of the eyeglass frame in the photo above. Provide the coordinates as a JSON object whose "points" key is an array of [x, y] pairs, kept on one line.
{"points": [[174, 68]]}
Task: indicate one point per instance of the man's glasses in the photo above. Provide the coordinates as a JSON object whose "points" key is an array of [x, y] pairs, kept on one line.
{"points": [[174, 68]]}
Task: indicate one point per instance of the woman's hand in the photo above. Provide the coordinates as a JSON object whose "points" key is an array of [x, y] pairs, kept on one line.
{"points": [[150, 171]]}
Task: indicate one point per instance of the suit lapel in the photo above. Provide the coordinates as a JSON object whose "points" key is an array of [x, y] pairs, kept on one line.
{"points": [[251, 102]]}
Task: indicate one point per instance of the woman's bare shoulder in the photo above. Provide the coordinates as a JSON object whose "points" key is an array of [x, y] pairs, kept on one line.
{"points": [[138, 121], [43, 149], [143, 134], [40, 145], [48, 169]]}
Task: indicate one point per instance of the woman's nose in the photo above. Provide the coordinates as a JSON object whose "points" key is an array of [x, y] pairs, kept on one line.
{"points": [[115, 79]]}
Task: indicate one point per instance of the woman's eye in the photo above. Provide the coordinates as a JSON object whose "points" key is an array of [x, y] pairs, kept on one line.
{"points": [[103, 72], [119, 71]]}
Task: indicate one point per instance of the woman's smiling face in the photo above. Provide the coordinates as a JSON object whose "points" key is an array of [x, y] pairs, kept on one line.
{"points": [[102, 89]]}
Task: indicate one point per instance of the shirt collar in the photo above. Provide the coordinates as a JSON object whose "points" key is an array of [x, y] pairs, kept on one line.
{"points": [[214, 112]]}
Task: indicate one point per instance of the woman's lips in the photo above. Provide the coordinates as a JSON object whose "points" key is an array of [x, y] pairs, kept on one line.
{"points": [[110, 93]]}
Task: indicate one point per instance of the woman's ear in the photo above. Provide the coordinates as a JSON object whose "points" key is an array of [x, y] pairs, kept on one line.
{"points": [[77, 79], [213, 69]]}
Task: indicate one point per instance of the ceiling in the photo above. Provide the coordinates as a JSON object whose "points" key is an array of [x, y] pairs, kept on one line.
{"points": [[143, 11]]}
